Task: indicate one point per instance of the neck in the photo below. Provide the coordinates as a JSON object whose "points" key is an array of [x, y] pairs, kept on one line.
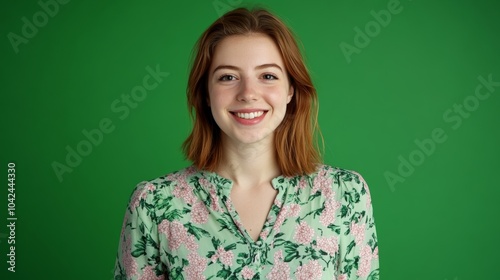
{"points": [[249, 165]]}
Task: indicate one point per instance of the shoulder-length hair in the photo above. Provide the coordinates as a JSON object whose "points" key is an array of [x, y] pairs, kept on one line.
{"points": [[295, 140]]}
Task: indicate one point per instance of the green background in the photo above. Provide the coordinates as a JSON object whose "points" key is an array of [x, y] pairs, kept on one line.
{"points": [[440, 223]]}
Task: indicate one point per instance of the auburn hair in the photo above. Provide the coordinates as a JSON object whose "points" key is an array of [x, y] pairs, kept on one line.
{"points": [[297, 150]]}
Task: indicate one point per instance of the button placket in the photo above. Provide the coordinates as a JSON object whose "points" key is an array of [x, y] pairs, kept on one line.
{"points": [[256, 257], [257, 249]]}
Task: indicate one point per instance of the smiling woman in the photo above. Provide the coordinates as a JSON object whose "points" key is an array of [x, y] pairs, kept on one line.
{"points": [[248, 94], [257, 203]]}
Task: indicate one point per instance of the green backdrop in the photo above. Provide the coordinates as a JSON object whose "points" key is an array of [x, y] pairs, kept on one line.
{"points": [[409, 97]]}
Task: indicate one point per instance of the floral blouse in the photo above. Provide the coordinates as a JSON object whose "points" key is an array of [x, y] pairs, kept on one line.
{"points": [[184, 226]]}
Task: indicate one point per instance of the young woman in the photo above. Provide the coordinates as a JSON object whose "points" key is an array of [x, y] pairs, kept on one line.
{"points": [[257, 203]]}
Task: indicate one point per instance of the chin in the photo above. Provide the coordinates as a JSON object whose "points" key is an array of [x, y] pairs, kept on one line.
{"points": [[251, 139]]}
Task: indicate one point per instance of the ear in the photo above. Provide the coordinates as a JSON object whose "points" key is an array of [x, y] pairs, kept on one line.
{"points": [[291, 92]]}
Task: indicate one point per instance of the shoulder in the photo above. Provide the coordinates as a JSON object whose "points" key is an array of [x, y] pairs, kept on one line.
{"points": [[340, 175], [160, 186], [340, 179]]}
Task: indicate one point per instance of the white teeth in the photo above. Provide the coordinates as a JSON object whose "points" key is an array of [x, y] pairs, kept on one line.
{"points": [[249, 116]]}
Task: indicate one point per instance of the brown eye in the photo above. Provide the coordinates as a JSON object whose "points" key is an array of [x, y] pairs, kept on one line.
{"points": [[227, 78], [270, 77]]}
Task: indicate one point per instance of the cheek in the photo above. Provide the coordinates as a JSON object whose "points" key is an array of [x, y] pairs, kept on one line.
{"points": [[212, 95], [214, 100], [279, 98], [218, 100]]}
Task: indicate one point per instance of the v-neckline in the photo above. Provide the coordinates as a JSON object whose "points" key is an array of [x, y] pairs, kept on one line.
{"points": [[223, 187]]}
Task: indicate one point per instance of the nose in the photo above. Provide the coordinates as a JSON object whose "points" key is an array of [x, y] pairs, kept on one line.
{"points": [[247, 91]]}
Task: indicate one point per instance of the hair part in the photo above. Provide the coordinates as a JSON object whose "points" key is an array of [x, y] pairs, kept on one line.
{"points": [[295, 139]]}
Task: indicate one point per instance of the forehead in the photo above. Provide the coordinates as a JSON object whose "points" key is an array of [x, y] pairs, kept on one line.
{"points": [[246, 51]]}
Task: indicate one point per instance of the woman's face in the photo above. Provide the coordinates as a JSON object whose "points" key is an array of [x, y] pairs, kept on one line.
{"points": [[248, 88]]}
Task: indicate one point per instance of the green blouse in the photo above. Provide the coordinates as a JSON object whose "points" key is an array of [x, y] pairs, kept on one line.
{"points": [[184, 226]]}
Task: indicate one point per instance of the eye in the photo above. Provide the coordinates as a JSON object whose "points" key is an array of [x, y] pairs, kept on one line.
{"points": [[269, 77], [227, 78]]}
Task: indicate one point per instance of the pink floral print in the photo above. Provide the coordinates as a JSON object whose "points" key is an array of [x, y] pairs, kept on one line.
{"points": [[280, 269], [342, 277], [150, 274], [225, 257], [184, 226], [185, 192], [358, 231], [294, 210], [366, 256], [196, 266], [177, 235], [199, 213], [309, 271], [247, 273], [328, 245], [327, 217], [304, 233]]}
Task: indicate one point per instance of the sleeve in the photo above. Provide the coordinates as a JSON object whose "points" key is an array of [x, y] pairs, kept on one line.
{"points": [[138, 256], [358, 245]]}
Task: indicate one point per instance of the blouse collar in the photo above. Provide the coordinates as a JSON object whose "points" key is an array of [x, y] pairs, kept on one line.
{"points": [[279, 183]]}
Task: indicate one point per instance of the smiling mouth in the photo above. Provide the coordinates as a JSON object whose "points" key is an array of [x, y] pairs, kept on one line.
{"points": [[248, 116]]}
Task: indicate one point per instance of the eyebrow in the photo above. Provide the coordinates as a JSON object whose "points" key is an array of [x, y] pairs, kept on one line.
{"points": [[267, 65]]}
